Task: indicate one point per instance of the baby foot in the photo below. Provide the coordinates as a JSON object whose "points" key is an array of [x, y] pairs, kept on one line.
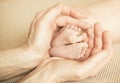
{"points": [[68, 35], [72, 51]]}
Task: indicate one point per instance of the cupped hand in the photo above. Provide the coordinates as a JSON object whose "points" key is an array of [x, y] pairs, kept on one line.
{"points": [[56, 70], [47, 21]]}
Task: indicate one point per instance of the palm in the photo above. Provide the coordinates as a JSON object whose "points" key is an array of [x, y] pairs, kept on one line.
{"points": [[63, 69], [100, 55]]}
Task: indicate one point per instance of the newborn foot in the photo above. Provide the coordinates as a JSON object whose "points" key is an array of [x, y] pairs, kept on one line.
{"points": [[72, 51], [68, 35]]}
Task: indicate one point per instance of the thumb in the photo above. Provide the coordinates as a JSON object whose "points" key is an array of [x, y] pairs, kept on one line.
{"points": [[60, 9]]}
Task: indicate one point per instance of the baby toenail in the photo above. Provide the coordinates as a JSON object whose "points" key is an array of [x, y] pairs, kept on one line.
{"points": [[76, 28], [79, 29], [68, 26]]}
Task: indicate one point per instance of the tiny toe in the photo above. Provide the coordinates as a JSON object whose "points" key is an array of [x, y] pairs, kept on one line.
{"points": [[76, 28], [83, 53], [79, 29], [68, 27], [72, 27], [98, 38], [83, 50]]}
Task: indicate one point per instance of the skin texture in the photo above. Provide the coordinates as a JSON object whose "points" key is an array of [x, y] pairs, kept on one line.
{"points": [[54, 68], [73, 70], [69, 39], [109, 19], [15, 24], [67, 35], [17, 61]]}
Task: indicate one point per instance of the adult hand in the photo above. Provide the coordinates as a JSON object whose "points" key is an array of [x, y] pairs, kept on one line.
{"points": [[46, 22], [19, 60], [55, 70]]}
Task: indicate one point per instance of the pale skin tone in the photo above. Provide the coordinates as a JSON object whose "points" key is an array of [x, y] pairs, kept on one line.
{"points": [[110, 17], [102, 49], [35, 49], [73, 70], [69, 39], [78, 68]]}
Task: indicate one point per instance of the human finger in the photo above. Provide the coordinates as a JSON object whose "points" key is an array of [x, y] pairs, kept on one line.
{"points": [[93, 64], [97, 38], [37, 16], [107, 47], [98, 67], [90, 34], [65, 20], [80, 70], [58, 10], [107, 41]]}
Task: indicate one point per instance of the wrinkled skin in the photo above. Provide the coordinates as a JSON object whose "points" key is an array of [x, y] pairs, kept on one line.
{"points": [[54, 69]]}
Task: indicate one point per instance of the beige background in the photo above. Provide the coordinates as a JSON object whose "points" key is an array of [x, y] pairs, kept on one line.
{"points": [[16, 16]]}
